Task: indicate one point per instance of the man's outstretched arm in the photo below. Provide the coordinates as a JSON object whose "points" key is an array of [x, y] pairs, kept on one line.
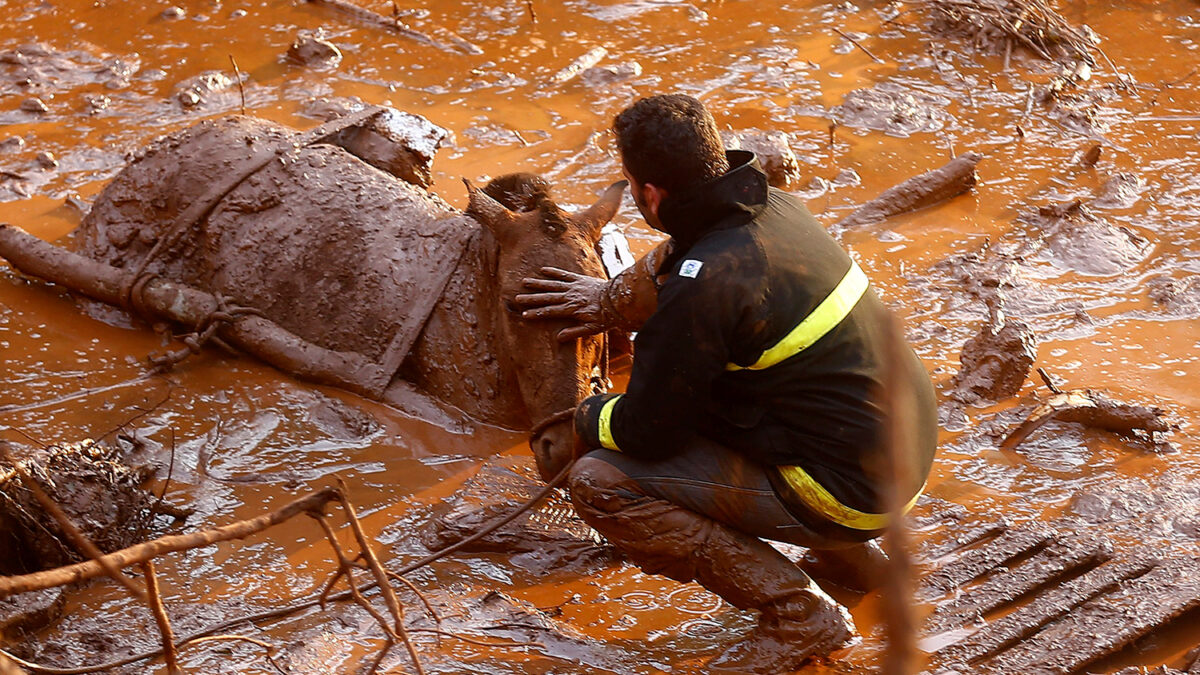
{"points": [[596, 305]]}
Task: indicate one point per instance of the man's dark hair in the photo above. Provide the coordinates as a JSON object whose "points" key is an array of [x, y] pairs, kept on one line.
{"points": [[671, 141]]}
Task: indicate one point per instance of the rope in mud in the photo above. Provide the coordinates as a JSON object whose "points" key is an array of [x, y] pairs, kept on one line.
{"points": [[315, 600]]}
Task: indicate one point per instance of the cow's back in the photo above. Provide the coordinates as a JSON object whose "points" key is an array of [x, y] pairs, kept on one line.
{"points": [[342, 254]]}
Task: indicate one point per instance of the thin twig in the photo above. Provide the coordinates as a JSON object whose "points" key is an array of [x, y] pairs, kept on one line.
{"points": [[346, 569], [1181, 80], [241, 90], [160, 617], [858, 44], [381, 577], [532, 14], [473, 641], [141, 412], [268, 647]]}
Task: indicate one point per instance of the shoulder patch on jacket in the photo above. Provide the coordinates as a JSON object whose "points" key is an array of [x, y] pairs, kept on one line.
{"points": [[690, 268]]}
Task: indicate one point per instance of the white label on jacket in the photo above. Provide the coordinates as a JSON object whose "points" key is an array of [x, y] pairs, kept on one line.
{"points": [[690, 268]]}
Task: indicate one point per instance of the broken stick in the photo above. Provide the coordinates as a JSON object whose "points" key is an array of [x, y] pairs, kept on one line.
{"points": [[1092, 409], [927, 189]]}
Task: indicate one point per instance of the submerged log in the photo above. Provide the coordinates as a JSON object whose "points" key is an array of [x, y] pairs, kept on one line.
{"points": [[192, 308], [927, 189]]}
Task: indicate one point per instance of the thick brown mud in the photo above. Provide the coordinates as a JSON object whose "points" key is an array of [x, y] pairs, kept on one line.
{"points": [[1095, 251]]}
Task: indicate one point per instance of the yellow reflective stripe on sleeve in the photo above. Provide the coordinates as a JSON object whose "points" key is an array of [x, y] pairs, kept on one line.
{"points": [[827, 315], [818, 499], [605, 424]]}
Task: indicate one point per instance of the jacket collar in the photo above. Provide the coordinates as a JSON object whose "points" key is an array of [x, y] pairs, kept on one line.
{"points": [[729, 200]]}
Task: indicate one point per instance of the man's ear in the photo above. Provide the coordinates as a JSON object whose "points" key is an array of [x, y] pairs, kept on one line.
{"points": [[653, 196]]}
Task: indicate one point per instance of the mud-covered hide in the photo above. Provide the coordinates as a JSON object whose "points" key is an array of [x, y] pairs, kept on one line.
{"points": [[548, 537], [101, 495], [341, 254]]}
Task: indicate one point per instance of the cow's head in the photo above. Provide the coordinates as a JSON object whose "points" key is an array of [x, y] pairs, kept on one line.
{"points": [[532, 232]]}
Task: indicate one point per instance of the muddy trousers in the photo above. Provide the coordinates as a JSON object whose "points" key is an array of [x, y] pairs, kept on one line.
{"points": [[698, 517]]}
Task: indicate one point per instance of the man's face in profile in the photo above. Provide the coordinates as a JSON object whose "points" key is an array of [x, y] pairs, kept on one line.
{"points": [[647, 207]]}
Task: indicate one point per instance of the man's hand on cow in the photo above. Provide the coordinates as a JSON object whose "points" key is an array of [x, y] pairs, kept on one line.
{"points": [[561, 294]]}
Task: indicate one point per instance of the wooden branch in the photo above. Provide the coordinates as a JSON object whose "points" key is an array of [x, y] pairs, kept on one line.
{"points": [[381, 576], [142, 552], [929, 188], [192, 308], [170, 655]]}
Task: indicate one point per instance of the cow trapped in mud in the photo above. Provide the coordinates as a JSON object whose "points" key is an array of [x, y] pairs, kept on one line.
{"points": [[352, 264]]}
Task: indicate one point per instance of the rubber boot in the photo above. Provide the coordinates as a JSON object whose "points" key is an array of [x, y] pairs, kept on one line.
{"points": [[860, 568], [798, 620]]}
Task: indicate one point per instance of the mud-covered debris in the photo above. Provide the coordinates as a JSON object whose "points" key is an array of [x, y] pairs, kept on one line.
{"points": [[197, 90], [927, 189], [1049, 605], [325, 108], [892, 110], [1165, 513], [27, 612], [983, 559], [1106, 624], [773, 151], [1121, 191], [96, 103], [598, 76], [1002, 26], [1006, 584], [996, 362], [589, 59], [815, 187], [1179, 297], [314, 51], [1088, 157], [46, 160], [548, 537], [1079, 240], [173, 13], [12, 144], [846, 178], [101, 495], [400, 143], [35, 105], [1093, 409]]}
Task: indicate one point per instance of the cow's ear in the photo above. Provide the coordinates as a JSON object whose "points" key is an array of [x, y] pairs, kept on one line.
{"points": [[490, 213], [595, 217]]}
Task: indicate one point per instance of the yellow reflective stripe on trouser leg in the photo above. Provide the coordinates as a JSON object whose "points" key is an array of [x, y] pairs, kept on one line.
{"points": [[605, 424], [827, 315], [818, 499]]}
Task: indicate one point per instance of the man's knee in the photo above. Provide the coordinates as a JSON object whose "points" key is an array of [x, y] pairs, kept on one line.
{"points": [[596, 484]]}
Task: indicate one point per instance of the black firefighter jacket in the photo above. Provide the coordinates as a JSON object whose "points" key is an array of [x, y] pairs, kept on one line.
{"points": [[749, 265]]}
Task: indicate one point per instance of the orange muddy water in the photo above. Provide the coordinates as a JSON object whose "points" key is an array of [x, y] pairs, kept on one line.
{"points": [[240, 438]]}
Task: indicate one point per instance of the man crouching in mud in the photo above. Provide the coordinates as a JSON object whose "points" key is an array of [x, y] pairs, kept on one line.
{"points": [[755, 405]]}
